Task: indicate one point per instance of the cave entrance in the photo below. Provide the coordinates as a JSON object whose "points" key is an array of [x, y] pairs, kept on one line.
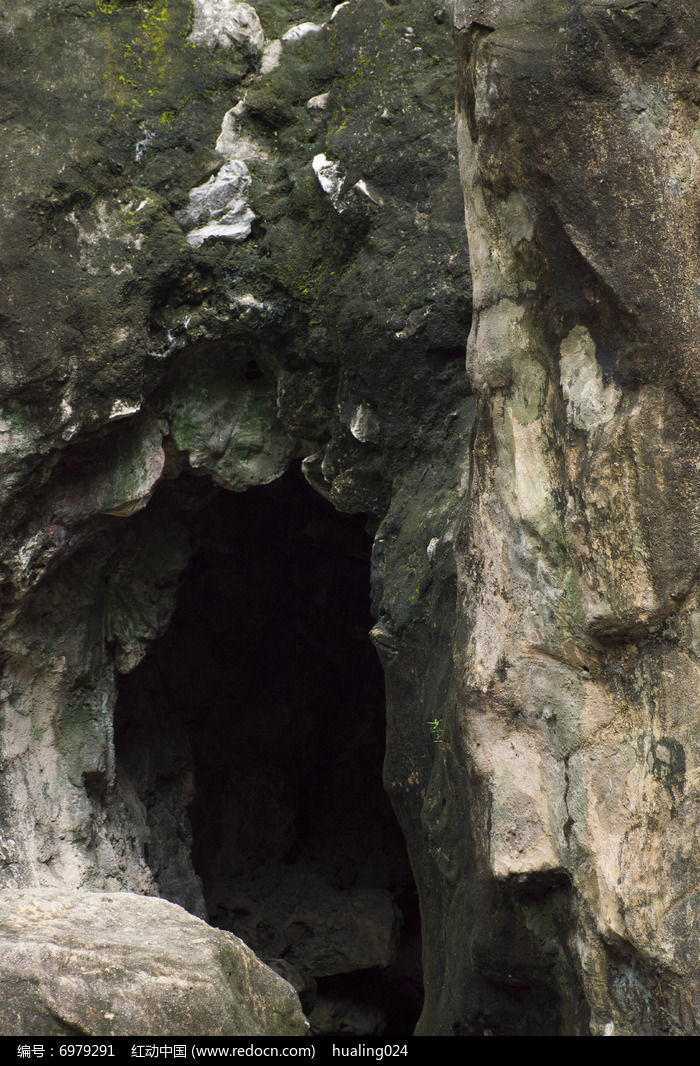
{"points": [[253, 734]]}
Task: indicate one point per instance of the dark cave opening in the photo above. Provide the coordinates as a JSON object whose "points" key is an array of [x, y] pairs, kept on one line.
{"points": [[253, 734]]}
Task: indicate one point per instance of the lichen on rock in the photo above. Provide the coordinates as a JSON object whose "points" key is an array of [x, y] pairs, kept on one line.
{"points": [[234, 254], [189, 313]]}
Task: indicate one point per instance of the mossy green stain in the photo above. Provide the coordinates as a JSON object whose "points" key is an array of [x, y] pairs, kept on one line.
{"points": [[151, 66]]}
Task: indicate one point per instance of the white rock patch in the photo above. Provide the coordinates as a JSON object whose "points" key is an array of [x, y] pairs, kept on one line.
{"points": [[331, 178], [227, 23], [589, 403], [302, 29], [432, 547], [271, 56], [122, 409], [219, 208], [231, 142], [363, 187], [318, 103], [364, 424], [339, 7]]}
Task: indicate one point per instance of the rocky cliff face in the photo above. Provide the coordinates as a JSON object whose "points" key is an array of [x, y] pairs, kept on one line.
{"points": [[232, 247], [578, 552], [233, 251]]}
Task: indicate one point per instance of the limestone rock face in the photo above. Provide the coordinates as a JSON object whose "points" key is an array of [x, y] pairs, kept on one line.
{"points": [[124, 965], [233, 254], [182, 296], [577, 720], [190, 306]]}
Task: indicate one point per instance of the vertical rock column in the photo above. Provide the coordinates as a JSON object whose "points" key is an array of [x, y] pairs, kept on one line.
{"points": [[579, 624]]}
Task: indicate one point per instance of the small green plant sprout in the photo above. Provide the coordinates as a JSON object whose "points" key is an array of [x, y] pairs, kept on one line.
{"points": [[437, 731]]}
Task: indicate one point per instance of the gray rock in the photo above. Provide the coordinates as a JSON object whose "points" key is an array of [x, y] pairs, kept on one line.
{"points": [[317, 929], [226, 23], [534, 573], [577, 559], [219, 208], [126, 965]]}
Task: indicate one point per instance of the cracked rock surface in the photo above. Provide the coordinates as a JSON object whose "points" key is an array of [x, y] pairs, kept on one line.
{"points": [[117, 964], [187, 311], [577, 559], [233, 253]]}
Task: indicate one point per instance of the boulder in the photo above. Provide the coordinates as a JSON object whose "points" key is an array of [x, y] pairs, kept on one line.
{"points": [[118, 964]]}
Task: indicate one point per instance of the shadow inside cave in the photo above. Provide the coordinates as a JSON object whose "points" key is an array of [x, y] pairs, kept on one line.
{"points": [[253, 733]]}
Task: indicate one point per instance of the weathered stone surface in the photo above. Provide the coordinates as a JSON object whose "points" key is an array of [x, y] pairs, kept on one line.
{"points": [[132, 355], [219, 208], [227, 23], [125, 965], [577, 720], [181, 296], [331, 1017], [229, 428], [536, 520], [318, 930]]}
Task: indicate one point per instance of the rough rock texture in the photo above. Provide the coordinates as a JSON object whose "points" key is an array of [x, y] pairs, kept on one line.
{"points": [[187, 292], [122, 965], [232, 244], [130, 355], [254, 733], [577, 636]]}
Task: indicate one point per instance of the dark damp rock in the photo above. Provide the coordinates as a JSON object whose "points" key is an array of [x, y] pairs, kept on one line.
{"points": [[220, 261]]}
